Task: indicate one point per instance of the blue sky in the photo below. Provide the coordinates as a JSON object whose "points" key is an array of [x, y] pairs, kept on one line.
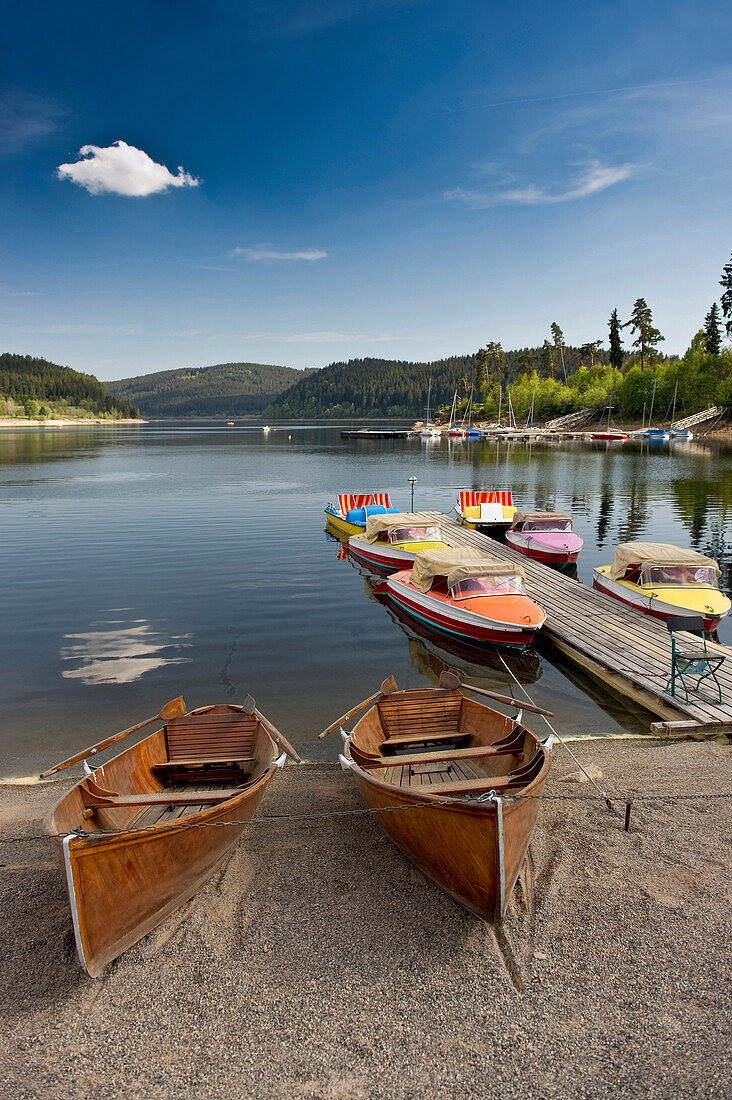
{"points": [[301, 182]]}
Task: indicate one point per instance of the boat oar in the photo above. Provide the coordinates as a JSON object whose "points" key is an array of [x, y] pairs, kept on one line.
{"points": [[386, 688], [250, 707], [450, 680], [174, 709]]}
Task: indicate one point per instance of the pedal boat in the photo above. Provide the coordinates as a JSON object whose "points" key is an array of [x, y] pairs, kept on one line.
{"points": [[124, 836], [485, 510], [449, 774], [544, 536], [348, 517], [664, 580], [392, 541], [468, 595]]}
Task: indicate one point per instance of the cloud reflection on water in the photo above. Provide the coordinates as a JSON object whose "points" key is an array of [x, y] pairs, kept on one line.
{"points": [[116, 651]]}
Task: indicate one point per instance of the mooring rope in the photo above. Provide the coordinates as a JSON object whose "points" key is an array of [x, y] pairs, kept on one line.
{"points": [[606, 797], [269, 819]]}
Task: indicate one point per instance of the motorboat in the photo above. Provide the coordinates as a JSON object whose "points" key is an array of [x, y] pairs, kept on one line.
{"points": [[468, 594], [485, 510], [391, 542], [348, 517], [544, 536], [664, 581]]}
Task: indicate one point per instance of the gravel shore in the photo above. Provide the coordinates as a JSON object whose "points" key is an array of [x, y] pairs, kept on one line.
{"points": [[319, 963]]}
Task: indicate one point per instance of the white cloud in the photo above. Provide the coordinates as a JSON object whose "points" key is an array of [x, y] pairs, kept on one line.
{"points": [[121, 169], [270, 254], [595, 178], [325, 337]]}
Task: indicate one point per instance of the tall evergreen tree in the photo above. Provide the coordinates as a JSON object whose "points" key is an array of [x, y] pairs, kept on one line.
{"points": [[616, 346], [641, 323], [558, 337], [713, 331], [726, 283], [547, 359]]}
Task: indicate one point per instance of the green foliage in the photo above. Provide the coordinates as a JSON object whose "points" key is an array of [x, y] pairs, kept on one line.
{"points": [[28, 381], [614, 341], [712, 331], [641, 323], [726, 283], [227, 389]]}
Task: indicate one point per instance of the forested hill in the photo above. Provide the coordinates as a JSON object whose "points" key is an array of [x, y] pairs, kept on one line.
{"points": [[386, 387], [31, 386], [227, 389]]}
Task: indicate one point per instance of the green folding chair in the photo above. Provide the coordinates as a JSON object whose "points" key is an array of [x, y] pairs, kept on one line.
{"points": [[692, 660]]}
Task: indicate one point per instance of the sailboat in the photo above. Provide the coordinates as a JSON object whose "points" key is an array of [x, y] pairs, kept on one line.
{"points": [[609, 435], [681, 435], [455, 430], [470, 432], [429, 430], [653, 435]]}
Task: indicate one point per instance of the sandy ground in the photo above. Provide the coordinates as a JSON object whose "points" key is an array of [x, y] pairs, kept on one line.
{"points": [[318, 963], [16, 423]]}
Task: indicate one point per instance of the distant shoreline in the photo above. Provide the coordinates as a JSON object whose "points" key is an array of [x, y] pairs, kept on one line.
{"points": [[17, 423]]}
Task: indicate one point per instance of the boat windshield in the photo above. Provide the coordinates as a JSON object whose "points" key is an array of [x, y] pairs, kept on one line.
{"points": [[679, 575], [487, 586], [415, 534], [548, 525]]}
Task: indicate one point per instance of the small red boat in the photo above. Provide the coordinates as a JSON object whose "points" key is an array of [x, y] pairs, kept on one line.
{"points": [[610, 437], [544, 536], [468, 595]]}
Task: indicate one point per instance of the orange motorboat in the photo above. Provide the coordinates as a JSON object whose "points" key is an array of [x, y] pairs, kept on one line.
{"points": [[468, 595]]}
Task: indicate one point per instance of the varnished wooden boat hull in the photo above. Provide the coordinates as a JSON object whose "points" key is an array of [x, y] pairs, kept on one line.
{"points": [[457, 846], [121, 888], [122, 883], [469, 832]]}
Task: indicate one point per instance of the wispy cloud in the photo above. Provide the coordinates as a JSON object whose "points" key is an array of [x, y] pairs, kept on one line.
{"points": [[324, 337], [26, 117], [185, 334], [596, 177], [87, 330], [309, 254], [295, 18], [121, 169]]}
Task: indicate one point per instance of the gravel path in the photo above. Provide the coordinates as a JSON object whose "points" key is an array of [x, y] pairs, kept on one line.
{"points": [[319, 963]]}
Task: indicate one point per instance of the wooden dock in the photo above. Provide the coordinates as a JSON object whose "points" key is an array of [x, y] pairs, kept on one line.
{"points": [[625, 649]]}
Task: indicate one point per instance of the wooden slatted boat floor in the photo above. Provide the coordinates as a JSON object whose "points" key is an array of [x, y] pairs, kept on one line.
{"points": [[629, 651]]}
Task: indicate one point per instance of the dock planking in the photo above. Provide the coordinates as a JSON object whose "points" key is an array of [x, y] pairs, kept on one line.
{"points": [[627, 650]]}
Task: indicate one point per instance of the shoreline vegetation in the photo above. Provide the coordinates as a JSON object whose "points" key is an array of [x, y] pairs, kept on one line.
{"points": [[20, 423]]}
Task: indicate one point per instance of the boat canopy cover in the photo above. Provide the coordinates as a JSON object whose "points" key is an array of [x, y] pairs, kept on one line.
{"points": [[457, 565], [655, 553], [377, 525], [522, 517]]}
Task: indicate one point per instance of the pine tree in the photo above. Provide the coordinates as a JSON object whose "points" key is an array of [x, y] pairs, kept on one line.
{"points": [[713, 331], [641, 322], [616, 346], [547, 359], [558, 336], [590, 350], [726, 283]]}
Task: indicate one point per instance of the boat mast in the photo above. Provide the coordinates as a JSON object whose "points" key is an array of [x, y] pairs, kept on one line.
{"points": [[650, 415]]}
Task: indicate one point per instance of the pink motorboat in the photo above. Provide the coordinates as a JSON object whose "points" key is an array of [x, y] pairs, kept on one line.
{"points": [[544, 536]]}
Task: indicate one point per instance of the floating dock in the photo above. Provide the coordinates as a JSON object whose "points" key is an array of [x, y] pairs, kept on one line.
{"points": [[625, 649]]}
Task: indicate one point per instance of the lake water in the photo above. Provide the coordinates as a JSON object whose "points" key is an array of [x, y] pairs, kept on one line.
{"points": [[139, 563]]}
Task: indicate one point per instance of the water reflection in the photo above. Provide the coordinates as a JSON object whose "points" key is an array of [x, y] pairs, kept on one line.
{"points": [[118, 651]]}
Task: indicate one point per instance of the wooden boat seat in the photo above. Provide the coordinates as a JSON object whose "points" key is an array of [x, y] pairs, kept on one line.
{"points": [[518, 778], [95, 796], [412, 758], [203, 762], [418, 738], [218, 734]]}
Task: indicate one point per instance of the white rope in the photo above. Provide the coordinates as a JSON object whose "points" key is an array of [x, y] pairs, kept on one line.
{"points": [[578, 762]]}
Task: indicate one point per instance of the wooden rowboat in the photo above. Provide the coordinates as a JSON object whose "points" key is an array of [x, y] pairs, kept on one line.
{"points": [[123, 834], [446, 772]]}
